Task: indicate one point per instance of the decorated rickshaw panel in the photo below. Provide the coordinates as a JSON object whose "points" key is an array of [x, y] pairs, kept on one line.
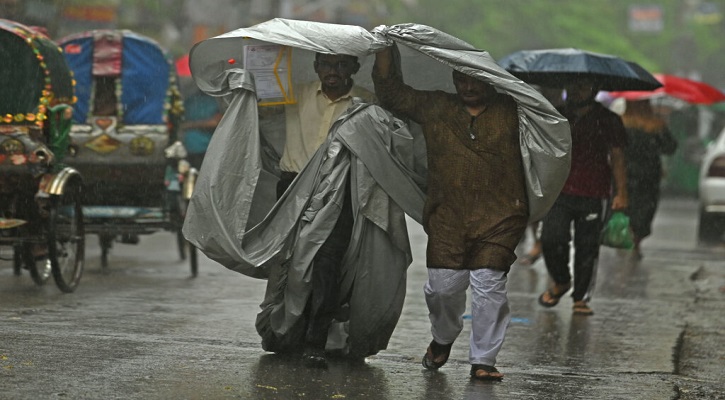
{"points": [[127, 143]]}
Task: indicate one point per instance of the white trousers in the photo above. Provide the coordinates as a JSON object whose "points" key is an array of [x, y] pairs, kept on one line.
{"points": [[445, 294]]}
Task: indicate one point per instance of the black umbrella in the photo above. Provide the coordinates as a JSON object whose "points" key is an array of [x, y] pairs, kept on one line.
{"points": [[557, 67]]}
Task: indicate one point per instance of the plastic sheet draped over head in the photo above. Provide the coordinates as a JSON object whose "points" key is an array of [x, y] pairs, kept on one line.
{"points": [[235, 219], [210, 57], [240, 185], [428, 55], [366, 146], [544, 134]]}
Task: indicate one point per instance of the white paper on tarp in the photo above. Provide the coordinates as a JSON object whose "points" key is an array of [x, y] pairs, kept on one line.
{"points": [[212, 56], [261, 60]]}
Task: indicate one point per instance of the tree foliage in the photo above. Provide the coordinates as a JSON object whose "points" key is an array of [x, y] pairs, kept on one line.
{"points": [[690, 42]]}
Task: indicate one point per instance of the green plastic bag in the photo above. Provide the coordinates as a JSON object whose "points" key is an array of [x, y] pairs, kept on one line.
{"points": [[617, 233]]}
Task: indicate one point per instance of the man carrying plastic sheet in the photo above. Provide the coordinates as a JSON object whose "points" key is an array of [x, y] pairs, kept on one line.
{"points": [[320, 103], [365, 155], [366, 148]]}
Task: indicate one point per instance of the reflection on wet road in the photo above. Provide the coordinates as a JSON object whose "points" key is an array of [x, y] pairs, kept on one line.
{"points": [[145, 329]]}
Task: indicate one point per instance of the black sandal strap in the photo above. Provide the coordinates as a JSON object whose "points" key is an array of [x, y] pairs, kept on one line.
{"points": [[489, 369], [482, 367], [438, 349]]}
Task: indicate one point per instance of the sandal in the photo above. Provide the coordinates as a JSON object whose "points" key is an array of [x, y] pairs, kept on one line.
{"points": [[436, 351], [555, 293], [485, 373], [582, 308]]}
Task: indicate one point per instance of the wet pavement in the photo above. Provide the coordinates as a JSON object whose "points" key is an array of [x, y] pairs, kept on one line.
{"points": [[146, 330]]}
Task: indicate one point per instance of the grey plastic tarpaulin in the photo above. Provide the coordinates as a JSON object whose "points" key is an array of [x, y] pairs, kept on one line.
{"points": [[233, 216], [544, 134]]}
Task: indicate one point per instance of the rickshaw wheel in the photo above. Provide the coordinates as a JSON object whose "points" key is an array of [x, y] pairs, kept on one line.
{"points": [[40, 269], [66, 237]]}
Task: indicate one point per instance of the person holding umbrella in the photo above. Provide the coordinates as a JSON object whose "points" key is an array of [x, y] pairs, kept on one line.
{"points": [[598, 142], [648, 138]]}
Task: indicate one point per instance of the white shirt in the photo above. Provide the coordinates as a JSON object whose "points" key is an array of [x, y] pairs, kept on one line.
{"points": [[308, 122]]}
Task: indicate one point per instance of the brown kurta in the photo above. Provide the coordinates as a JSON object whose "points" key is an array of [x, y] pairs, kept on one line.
{"points": [[477, 208]]}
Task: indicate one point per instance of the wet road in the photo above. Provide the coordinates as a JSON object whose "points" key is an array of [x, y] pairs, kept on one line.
{"points": [[146, 330]]}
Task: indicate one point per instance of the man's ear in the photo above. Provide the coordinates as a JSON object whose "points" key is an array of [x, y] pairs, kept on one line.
{"points": [[314, 66], [357, 68]]}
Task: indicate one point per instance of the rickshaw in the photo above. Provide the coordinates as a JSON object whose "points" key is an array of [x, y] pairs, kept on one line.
{"points": [[41, 217], [125, 138]]}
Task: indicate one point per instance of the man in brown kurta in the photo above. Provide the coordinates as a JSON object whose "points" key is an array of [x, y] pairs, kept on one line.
{"points": [[476, 210]]}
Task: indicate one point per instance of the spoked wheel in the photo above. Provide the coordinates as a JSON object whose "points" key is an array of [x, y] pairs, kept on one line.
{"points": [[66, 240], [38, 264]]}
